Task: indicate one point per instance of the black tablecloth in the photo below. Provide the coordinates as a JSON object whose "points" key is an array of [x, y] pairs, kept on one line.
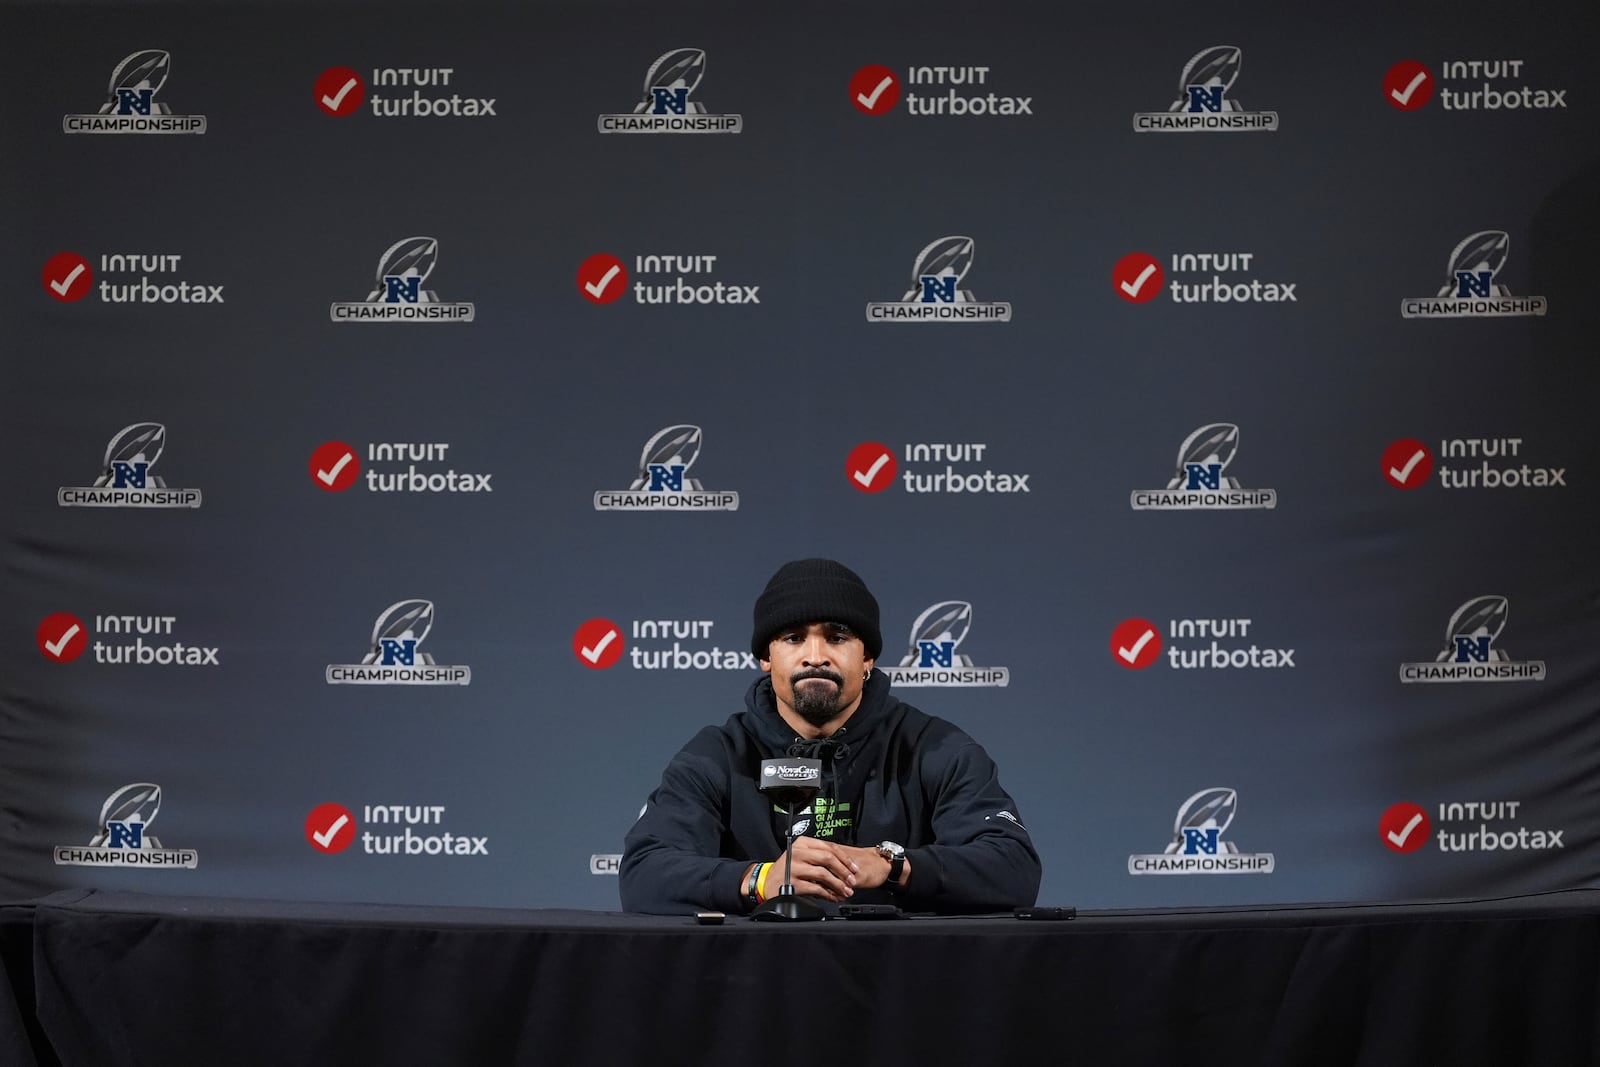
{"points": [[131, 979]]}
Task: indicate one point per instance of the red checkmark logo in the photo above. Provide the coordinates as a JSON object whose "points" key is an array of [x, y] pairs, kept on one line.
{"points": [[1407, 463], [335, 466], [598, 644], [1137, 277], [1135, 644], [1404, 828], [1408, 85], [602, 279], [871, 467], [339, 91], [874, 90], [67, 277], [330, 828], [62, 637]]}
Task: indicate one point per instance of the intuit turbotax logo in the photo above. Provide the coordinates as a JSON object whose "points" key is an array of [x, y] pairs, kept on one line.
{"points": [[394, 659], [1199, 483], [1470, 654], [63, 637], [1473, 289], [124, 838], [1197, 846], [1468, 85], [68, 278], [665, 279], [335, 467], [131, 106], [1409, 464], [935, 296], [930, 468], [1136, 644], [340, 91], [666, 107], [1466, 826], [1205, 103], [125, 480], [398, 295], [876, 89], [1138, 278], [332, 828], [932, 660], [657, 645], [661, 483]]}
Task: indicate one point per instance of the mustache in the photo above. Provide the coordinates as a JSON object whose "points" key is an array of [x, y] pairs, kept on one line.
{"points": [[817, 672]]}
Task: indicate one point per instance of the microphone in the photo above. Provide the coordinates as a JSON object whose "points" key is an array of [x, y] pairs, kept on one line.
{"points": [[790, 782]]}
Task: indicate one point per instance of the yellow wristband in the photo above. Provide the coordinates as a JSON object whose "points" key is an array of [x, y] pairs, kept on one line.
{"points": [[761, 884]]}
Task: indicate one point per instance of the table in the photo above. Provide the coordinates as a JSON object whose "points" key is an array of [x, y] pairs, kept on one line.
{"points": [[124, 978]]}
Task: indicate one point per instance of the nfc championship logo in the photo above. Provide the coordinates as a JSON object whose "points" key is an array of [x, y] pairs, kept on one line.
{"points": [[394, 658], [661, 484], [1473, 289], [124, 839], [1469, 654], [931, 658], [1199, 484], [1204, 103], [935, 294], [131, 106], [398, 295], [125, 480], [666, 107], [1197, 846]]}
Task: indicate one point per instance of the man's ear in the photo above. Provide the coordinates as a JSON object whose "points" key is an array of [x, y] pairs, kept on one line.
{"points": [[870, 663], [766, 666]]}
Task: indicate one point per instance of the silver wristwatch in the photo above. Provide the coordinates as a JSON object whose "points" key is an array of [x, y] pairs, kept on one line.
{"points": [[896, 855]]}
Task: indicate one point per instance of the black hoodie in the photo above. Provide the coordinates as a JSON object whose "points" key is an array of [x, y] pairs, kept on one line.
{"points": [[893, 774]]}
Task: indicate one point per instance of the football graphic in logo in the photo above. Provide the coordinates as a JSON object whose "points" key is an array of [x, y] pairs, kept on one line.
{"points": [[1215, 443], [412, 257], [671, 447], [1483, 616], [1485, 250], [142, 70], [140, 443], [681, 68], [1218, 65], [943, 258], [1207, 809], [408, 619], [136, 803]]}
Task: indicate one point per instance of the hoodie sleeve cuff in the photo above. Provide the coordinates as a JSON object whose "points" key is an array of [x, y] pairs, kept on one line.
{"points": [[927, 876]]}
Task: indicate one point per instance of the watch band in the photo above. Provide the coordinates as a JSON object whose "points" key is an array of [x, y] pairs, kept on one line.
{"points": [[896, 867]]}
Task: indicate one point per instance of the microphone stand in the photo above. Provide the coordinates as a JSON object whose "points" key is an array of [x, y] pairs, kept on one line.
{"points": [[788, 906]]}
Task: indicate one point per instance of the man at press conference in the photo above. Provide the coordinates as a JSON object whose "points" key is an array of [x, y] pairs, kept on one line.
{"points": [[911, 811]]}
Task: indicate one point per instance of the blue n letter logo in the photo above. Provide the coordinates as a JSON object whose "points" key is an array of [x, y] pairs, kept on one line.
{"points": [[125, 834], [938, 289], [1472, 649], [1198, 842], [670, 101], [400, 652], [664, 479], [1205, 98], [1473, 282], [401, 290], [936, 653], [129, 475], [134, 101], [1204, 475]]}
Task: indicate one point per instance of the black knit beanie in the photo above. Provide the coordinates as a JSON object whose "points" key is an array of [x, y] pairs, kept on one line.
{"points": [[815, 590]]}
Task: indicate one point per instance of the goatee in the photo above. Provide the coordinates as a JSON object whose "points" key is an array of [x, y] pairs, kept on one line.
{"points": [[817, 704]]}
